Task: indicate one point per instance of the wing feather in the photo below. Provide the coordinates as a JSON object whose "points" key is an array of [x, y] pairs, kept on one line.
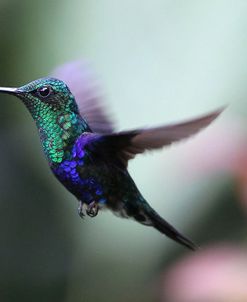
{"points": [[128, 144]]}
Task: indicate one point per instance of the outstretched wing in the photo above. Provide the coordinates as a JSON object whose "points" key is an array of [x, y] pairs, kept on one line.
{"points": [[125, 145], [83, 85]]}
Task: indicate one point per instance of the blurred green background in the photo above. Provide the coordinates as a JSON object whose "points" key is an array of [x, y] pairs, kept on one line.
{"points": [[158, 61]]}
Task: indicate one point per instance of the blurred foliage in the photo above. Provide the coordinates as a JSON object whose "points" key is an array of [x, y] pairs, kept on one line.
{"points": [[158, 61]]}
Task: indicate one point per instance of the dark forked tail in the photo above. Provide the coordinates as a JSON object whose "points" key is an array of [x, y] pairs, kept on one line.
{"points": [[165, 228]]}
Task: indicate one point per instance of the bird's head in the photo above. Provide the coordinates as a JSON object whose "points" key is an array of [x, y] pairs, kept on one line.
{"points": [[54, 109], [45, 97]]}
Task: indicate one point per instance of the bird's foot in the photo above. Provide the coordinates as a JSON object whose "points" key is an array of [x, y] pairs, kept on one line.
{"points": [[80, 209], [92, 209]]}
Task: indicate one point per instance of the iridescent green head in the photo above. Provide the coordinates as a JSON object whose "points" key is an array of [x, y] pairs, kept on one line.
{"points": [[55, 112], [49, 94]]}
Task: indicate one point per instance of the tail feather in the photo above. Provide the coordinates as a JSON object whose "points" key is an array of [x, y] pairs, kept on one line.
{"points": [[165, 228]]}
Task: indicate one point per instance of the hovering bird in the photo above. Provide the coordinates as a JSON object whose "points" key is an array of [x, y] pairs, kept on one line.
{"points": [[85, 153]]}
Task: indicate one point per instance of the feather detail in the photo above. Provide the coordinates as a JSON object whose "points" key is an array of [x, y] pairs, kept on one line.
{"points": [[130, 143]]}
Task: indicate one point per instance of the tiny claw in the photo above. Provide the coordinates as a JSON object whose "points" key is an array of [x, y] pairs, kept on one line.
{"points": [[92, 209], [80, 210]]}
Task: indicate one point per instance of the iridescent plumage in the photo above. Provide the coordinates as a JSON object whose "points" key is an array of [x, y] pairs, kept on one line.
{"points": [[85, 153]]}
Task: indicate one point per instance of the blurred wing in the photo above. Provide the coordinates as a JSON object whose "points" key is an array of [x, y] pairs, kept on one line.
{"points": [[127, 144], [83, 85]]}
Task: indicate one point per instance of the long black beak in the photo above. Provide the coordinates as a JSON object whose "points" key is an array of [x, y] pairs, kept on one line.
{"points": [[9, 90]]}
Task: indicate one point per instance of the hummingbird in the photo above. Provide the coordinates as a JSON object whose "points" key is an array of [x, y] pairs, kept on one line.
{"points": [[87, 155]]}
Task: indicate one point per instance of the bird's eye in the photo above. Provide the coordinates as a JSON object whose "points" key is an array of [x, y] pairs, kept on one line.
{"points": [[44, 91]]}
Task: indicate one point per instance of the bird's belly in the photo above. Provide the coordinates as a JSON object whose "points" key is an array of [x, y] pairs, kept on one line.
{"points": [[105, 184], [81, 181]]}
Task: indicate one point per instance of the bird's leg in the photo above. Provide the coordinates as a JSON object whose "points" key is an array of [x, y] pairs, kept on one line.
{"points": [[80, 209], [92, 209]]}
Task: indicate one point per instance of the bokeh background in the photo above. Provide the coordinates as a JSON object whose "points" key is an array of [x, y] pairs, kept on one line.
{"points": [[157, 61]]}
